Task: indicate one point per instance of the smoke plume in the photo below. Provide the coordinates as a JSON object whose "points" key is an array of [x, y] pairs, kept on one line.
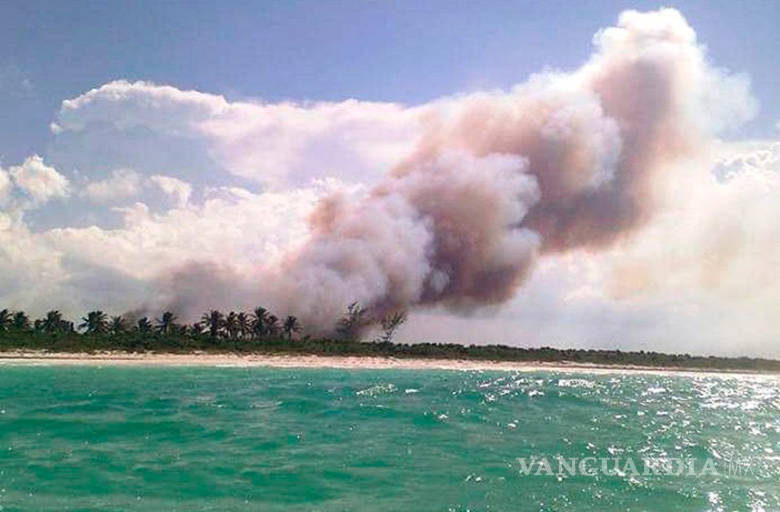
{"points": [[564, 161]]}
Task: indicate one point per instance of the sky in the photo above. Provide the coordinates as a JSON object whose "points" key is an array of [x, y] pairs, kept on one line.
{"points": [[140, 138]]}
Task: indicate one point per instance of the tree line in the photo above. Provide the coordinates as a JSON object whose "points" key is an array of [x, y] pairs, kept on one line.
{"points": [[235, 325], [262, 332]]}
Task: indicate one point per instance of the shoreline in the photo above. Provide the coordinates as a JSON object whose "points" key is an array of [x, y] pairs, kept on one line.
{"points": [[35, 358]]}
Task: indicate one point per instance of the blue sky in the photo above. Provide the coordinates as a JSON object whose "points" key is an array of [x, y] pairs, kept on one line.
{"points": [[140, 138], [404, 51]]}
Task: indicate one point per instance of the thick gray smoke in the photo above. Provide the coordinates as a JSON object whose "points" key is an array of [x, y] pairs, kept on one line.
{"points": [[564, 161], [449, 231]]}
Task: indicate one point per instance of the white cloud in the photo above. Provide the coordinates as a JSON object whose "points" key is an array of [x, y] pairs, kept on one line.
{"points": [[735, 157], [231, 225], [122, 184], [5, 186], [178, 190], [127, 184], [29, 185], [278, 145], [30, 271], [126, 104], [39, 181], [76, 269]]}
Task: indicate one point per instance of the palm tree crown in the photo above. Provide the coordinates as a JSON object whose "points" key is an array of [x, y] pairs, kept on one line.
{"points": [[96, 322], [21, 321], [5, 319], [231, 325], [144, 325], [272, 326], [213, 320], [259, 319], [52, 322], [166, 324], [244, 324], [118, 325]]}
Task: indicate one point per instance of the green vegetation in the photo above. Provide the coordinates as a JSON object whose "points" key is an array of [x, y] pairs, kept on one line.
{"points": [[262, 332]]}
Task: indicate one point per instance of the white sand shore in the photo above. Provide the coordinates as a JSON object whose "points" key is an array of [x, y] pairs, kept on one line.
{"points": [[23, 357]]}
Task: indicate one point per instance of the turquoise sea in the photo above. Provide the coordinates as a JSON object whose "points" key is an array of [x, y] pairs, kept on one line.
{"points": [[222, 439]]}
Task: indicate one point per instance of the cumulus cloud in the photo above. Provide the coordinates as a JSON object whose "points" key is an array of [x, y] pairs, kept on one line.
{"points": [[38, 181], [29, 270], [277, 145], [231, 225], [126, 184], [122, 184], [5, 186], [81, 268], [595, 207], [178, 190]]}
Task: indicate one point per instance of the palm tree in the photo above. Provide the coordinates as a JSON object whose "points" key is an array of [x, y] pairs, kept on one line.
{"points": [[144, 326], [259, 319], [290, 326], [21, 321], [272, 326], [244, 324], [5, 319], [118, 325], [231, 325], [96, 322], [166, 324], [213, 320], [52, 322]]}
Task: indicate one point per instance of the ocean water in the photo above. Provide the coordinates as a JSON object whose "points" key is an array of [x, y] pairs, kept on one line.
{"points": [[219, 439]]}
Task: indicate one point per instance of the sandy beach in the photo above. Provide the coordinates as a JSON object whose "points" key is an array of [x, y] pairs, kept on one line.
{"points": [[314, 361]]}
